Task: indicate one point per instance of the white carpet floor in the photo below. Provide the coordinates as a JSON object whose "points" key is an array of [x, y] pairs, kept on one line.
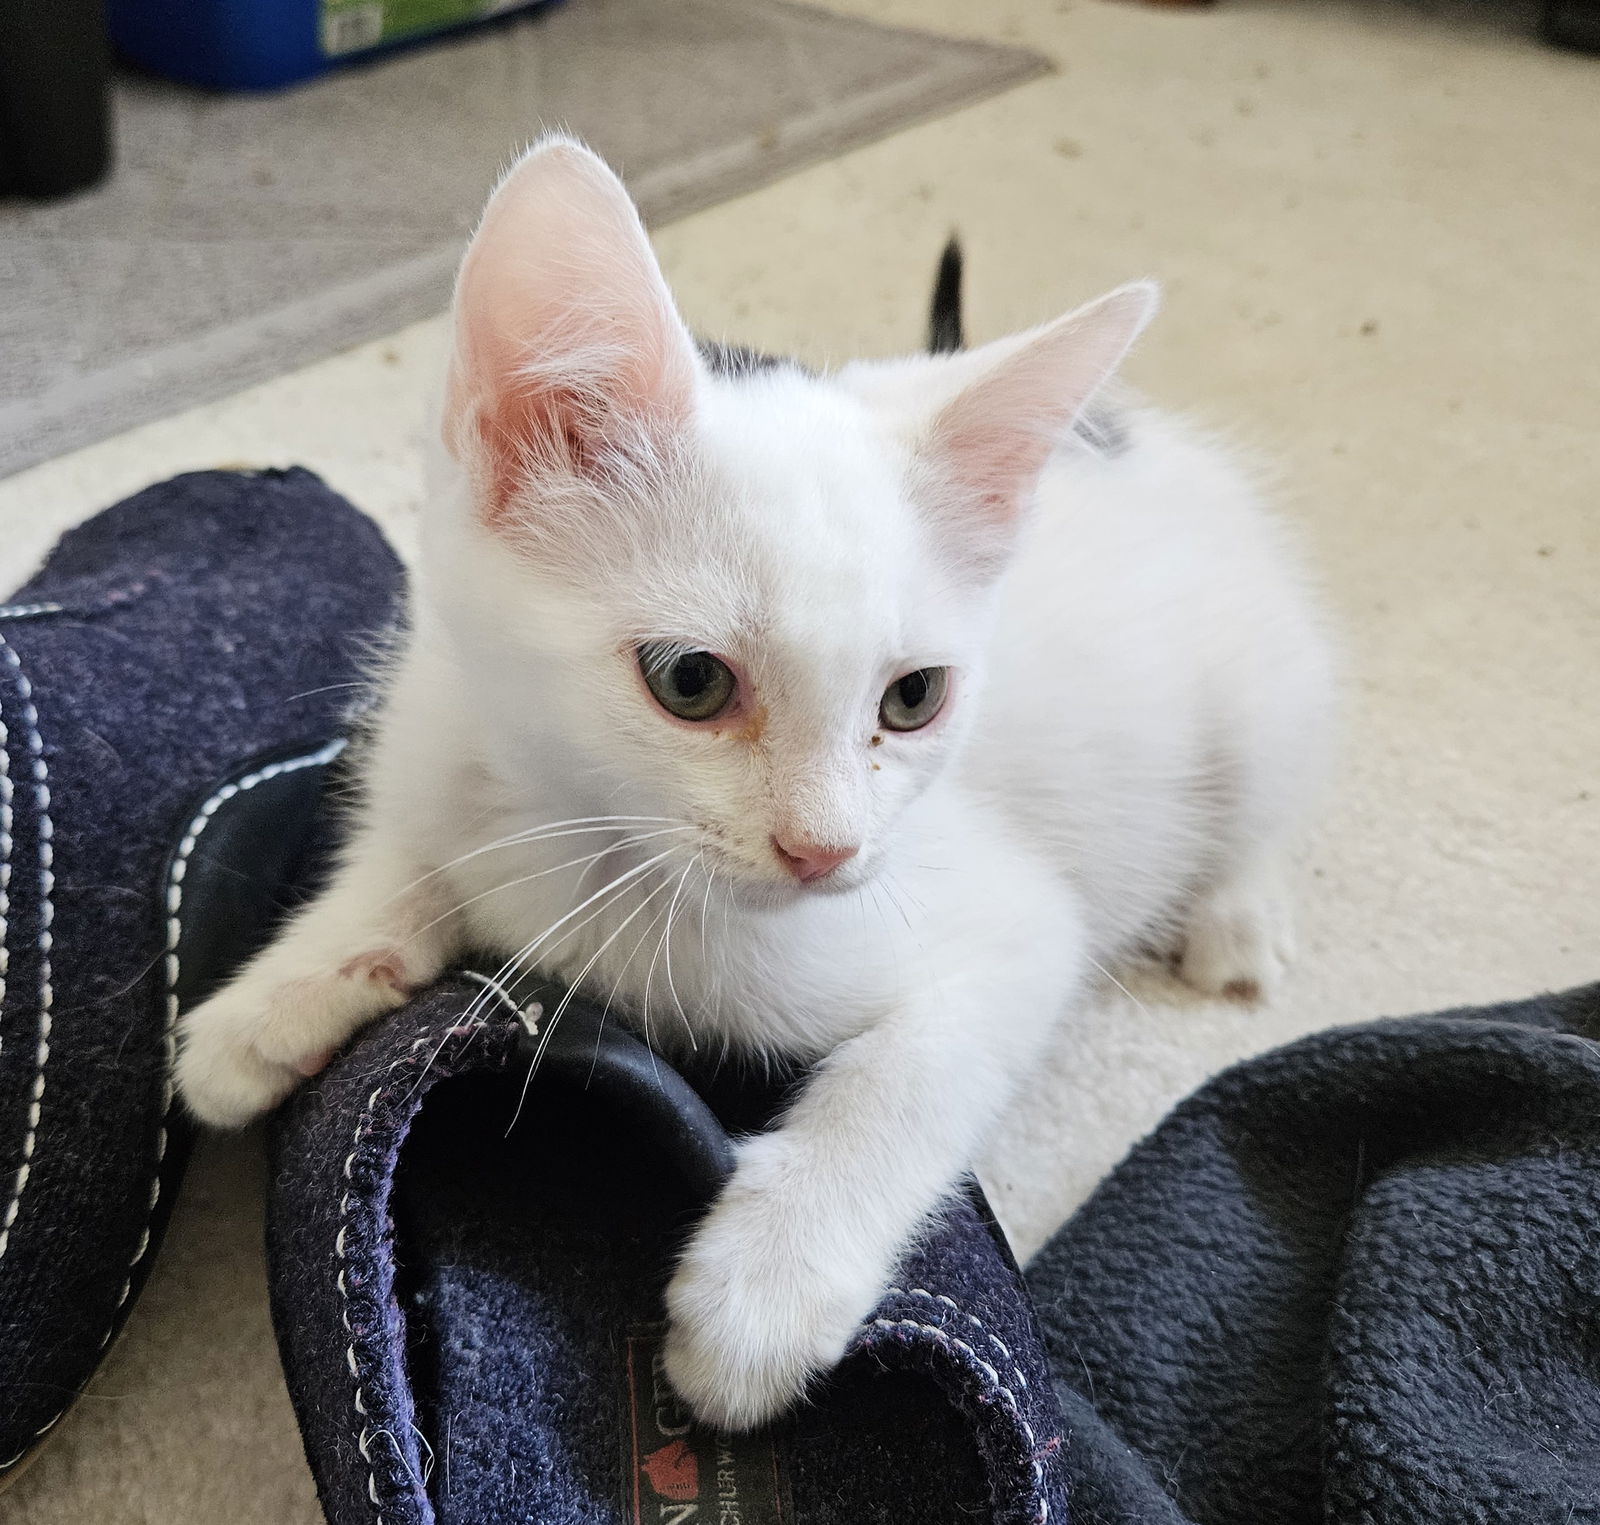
{"points": [[1378, 228]]}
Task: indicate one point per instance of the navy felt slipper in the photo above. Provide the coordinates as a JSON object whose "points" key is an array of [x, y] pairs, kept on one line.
{"points": [[467, 1273], [173, 686]]}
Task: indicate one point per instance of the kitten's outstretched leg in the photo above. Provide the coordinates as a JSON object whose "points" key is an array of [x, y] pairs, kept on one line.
{"points": [[806, 1235], [1240, 937], [356, 951]]}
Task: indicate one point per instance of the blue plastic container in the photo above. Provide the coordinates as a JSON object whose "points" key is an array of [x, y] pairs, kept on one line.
{"points": [[262, 44]]}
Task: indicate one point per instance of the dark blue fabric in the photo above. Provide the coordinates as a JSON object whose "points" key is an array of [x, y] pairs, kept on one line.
{"points": [[457, 1273], [1355, 1280], [208, 629]]}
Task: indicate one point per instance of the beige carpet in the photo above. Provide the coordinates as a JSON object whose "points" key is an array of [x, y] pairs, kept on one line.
{"points": [[1378, 229], [245, 235]]}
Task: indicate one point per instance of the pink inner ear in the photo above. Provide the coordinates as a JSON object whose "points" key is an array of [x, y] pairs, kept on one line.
{"points": [[569, 357], [548, 428], [995, 444], [994, 438]]}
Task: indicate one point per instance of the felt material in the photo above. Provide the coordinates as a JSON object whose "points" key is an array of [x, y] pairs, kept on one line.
{"points": [[179, 663], [467, 1289], [1353, 1280]]}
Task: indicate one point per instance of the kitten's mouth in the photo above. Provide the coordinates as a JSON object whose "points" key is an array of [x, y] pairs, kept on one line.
{"points": [[778, 894], [838, 882], [762, 885]]}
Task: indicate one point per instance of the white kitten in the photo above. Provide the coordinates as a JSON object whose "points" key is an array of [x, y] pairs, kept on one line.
{"points": [[992, 704]]}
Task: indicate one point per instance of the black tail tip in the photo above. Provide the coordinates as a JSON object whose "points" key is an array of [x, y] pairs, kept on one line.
{"points": [[945, 334]]}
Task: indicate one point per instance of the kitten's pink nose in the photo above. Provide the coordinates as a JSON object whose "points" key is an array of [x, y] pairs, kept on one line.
{"points": [[811, 860]]}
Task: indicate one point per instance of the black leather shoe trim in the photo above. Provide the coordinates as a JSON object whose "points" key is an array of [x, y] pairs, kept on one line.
{"points": [[227, 878], [587, 1051]]}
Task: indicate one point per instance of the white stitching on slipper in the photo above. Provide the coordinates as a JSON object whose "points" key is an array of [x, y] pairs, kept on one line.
{"points": [[1001, 1391], [1043, 1513], [364, 1435], [977, 1323], [363, 1125], [174, 905], [5, 852], [47, 880]]}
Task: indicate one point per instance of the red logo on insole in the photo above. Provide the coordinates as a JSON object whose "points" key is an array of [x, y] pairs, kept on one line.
{"points": [[674, 1472], [677, 1473]]}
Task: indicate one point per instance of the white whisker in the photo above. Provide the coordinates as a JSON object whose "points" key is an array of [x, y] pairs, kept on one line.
{"points": [[649, 975], [581, 825], [672, 985], [518, 960], [566, 1000], [705, 913], [1118, 983], [888, 889], [511, 884]]}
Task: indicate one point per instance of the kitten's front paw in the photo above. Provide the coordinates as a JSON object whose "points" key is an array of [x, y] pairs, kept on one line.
{"points": [[243, 1051], [764, 1299], [224, 1078], [1238, 943]]}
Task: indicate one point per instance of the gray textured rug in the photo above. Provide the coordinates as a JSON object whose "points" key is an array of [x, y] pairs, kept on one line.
{"points": [[245, 235]]}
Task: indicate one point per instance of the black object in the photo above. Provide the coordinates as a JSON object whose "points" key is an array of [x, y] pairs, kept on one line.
{"points": [[605, 1060], [1355, 1280], [466, 1276], [1572, 24], [55, 125], [173, 687], [945, 334]]}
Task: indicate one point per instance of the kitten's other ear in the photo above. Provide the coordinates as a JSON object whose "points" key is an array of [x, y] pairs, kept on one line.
{"points": [[991, 441], [569, 355]]}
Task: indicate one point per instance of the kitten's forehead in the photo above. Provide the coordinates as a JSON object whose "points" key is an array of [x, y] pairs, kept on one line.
{"points": [[809, 474], [819, 529]]}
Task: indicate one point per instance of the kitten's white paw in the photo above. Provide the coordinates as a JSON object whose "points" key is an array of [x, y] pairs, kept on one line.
{"points": [[243, 1051], [763, 1299], [1239, 942]]}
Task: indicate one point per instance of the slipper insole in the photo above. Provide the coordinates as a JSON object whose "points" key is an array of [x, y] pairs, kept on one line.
{"points": [[532, 1260]]}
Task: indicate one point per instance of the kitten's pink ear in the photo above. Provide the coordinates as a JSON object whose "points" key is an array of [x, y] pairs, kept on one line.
{"points": [[992, 440], [569, 355]]}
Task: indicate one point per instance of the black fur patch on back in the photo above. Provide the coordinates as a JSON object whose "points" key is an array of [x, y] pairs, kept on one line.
{"points": [[732, 361], [1103, 431]]}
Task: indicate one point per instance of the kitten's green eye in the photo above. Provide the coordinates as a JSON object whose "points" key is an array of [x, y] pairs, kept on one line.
{"points": [[692, 686], [909, 703]]}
